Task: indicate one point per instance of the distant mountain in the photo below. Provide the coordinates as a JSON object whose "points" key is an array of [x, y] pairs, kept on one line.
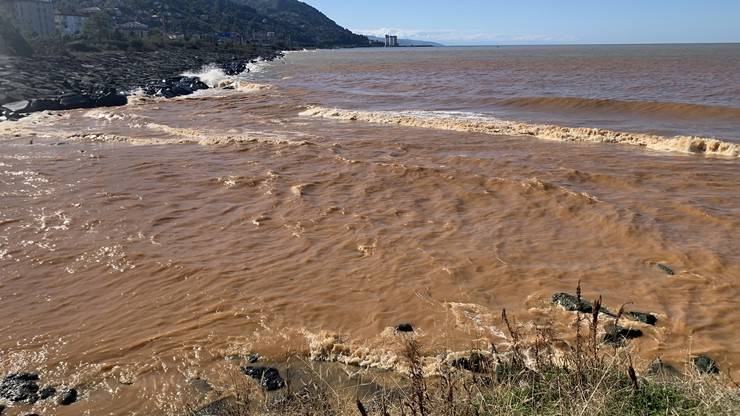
{"points": [[289, 21], [407, 42], [311, 27]]}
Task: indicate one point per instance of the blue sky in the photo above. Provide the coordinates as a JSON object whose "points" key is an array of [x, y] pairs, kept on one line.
{"points": [[541, 21]]}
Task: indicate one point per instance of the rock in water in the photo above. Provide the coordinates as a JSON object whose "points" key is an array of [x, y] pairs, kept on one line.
{"points": [[570, 303], [67, 397], [74, 101], [476, 363], [47, 392], [665, 268], [268, 377], [705, 365], [111, 98], [20, 387], [617, 335], [404, 327], [44, 104], [645, 318]]}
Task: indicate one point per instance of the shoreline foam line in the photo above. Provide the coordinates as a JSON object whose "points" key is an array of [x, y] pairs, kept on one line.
{"points": [[464, 122]]}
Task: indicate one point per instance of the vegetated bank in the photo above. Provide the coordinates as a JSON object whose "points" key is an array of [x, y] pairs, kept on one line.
{"points": [[535, 372]]}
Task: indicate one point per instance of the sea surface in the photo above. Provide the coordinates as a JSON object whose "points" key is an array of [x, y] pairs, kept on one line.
{"points": [[331, 195]]}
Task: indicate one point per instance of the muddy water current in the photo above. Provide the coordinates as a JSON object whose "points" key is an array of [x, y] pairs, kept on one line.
{"points": [[335, 194]]}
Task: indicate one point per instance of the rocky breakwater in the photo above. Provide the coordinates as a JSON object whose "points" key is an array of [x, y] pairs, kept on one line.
{"points": [[104, 79]]}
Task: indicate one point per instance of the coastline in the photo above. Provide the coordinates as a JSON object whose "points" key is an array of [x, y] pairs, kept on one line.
{"points": [[107, 74]]}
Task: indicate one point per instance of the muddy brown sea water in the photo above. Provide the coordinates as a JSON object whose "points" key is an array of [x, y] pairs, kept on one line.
{"points": [[139, 246]]}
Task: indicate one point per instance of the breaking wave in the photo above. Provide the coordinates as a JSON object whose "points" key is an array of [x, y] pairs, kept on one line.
{"points": [[476, 123], [648, 108]]}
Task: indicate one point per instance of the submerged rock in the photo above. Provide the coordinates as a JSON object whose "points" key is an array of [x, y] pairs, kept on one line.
{"points": [[617, 335], [659, 368], [20, 387], [476, 363], [705, 365], [665, 268], [47, 392], [67, 397], [268, 377], [645, 318], [405, 327]]}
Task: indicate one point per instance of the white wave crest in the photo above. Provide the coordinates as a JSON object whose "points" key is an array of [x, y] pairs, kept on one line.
{"points": [[476, 123]]}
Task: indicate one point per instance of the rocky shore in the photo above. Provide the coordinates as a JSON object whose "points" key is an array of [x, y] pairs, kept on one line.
{"points": [[29, 84]]}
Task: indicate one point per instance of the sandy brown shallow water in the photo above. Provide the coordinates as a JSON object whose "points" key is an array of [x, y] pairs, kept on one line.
{"points": [[169, 235]]}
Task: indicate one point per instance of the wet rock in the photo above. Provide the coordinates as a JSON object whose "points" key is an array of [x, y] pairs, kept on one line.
{"points": [[268, 377], [659, 368], [617, 335], [47, 392], [75, 101], [572, 304], [666, 269], [18, 106], [645, 318], [234, 67], [705, 365], [44, 104], [67, 397], [175, 87], [20, 387], [2, 408], [111, 98], [405, 327], [476, 363]]}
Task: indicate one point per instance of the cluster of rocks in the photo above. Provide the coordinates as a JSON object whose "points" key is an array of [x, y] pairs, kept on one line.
{"points": [[103, 79], [616, 335], [24, 388]]}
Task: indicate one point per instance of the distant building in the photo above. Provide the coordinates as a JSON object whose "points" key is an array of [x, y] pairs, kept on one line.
{"points": [[391, 41], [32, 17], [134, 29], [69, 23]]}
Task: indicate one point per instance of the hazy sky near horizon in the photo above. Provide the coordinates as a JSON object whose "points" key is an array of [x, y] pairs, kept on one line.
{"points": [[472, 22]]}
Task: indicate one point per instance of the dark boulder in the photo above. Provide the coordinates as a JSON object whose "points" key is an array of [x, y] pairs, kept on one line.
{"points": [[47, 392], [617, 335], [476, 363], [235, 67], [705, 365], [67, 397], [44, 104], [645, 318], [111, 98], [405, 327], [268, 377], [174, 87], [572, 304], [2, 409], [20, 387], [75, 101], [666, 269]]}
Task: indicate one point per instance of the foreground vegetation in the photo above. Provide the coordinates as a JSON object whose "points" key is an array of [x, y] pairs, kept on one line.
{"points": [[534, 376]]}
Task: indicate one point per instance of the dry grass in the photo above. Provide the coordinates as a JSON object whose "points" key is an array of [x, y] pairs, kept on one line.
{"points": [[530, 378]]}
